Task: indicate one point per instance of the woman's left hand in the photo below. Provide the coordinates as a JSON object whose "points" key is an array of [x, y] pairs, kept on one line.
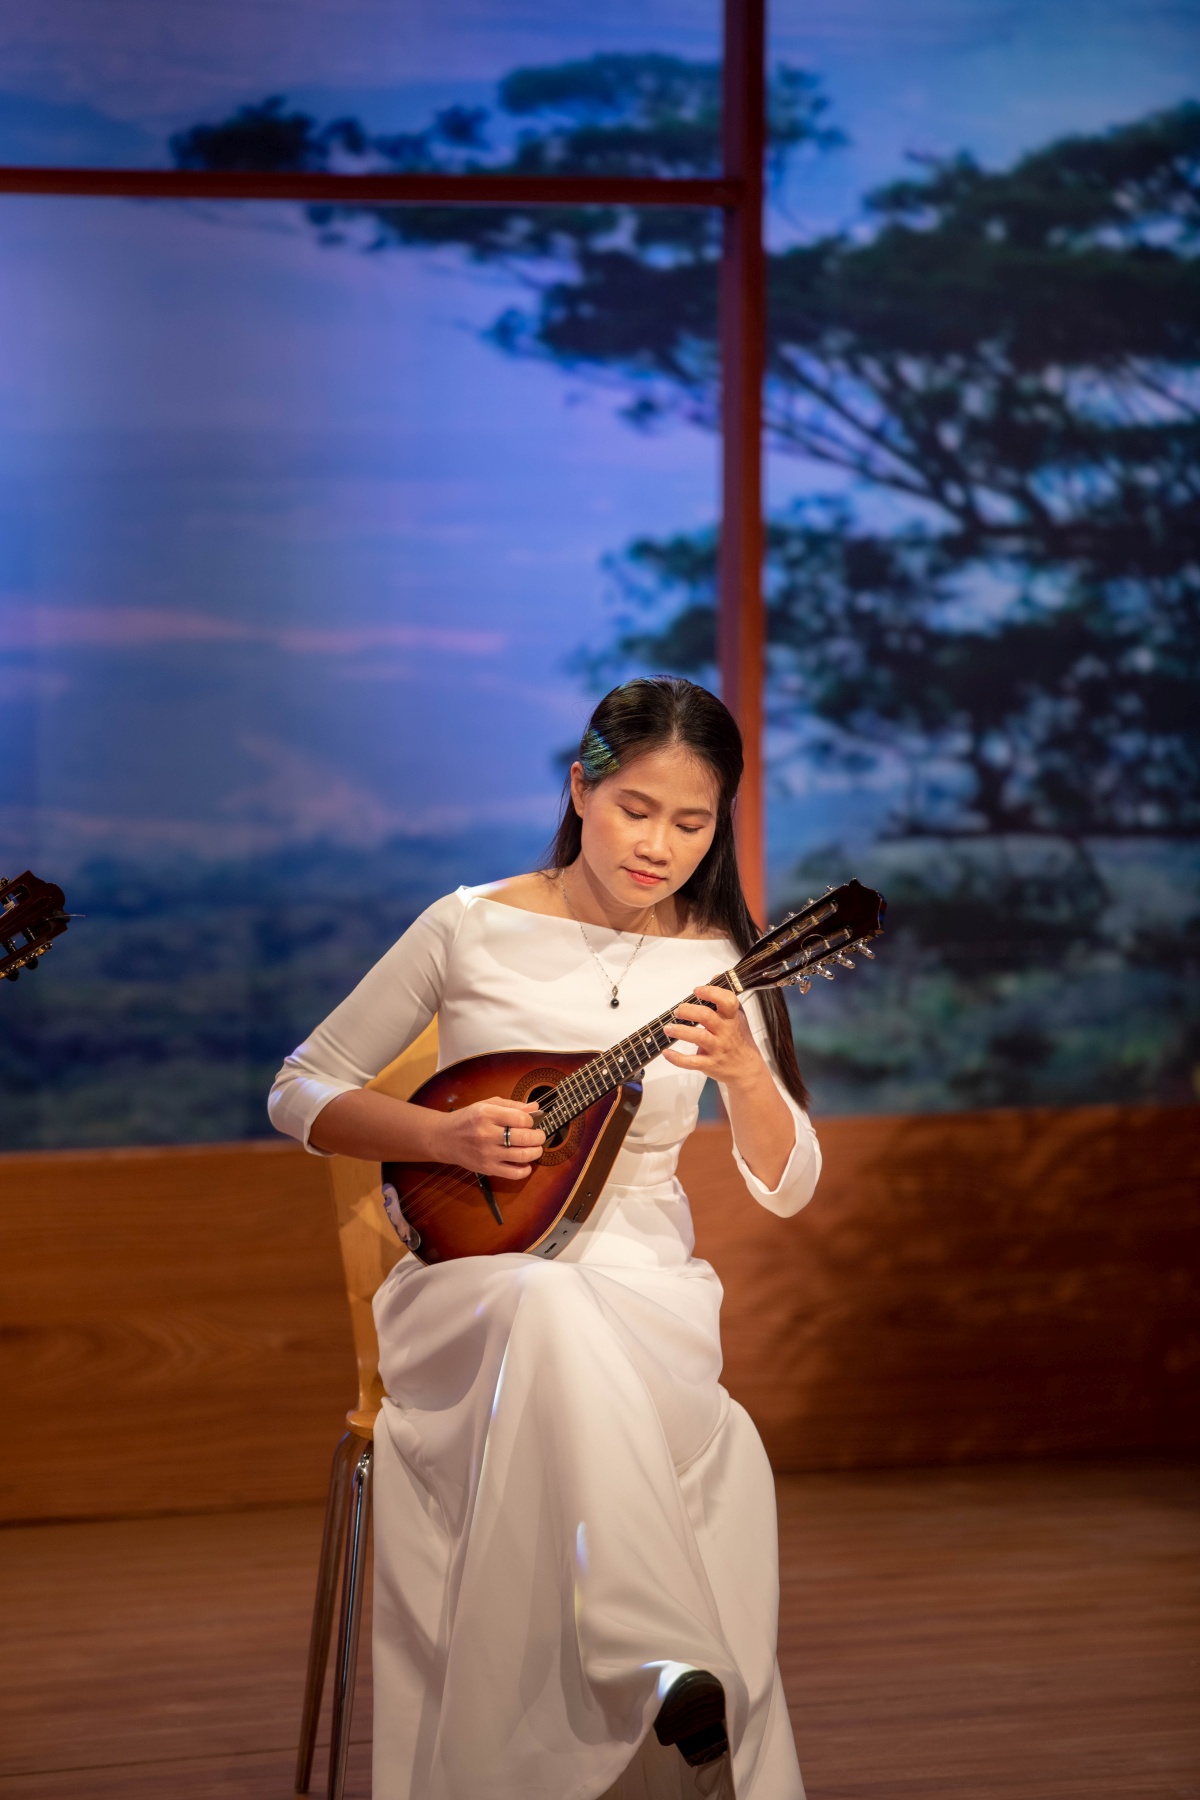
{"points": [[725, 1048]]}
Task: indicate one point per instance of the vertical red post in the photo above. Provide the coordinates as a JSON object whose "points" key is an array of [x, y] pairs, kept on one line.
{"points": [[740, 620]]}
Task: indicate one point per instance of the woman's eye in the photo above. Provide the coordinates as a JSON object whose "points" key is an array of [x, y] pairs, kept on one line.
{"points": [[632, 815], [691, 829]]}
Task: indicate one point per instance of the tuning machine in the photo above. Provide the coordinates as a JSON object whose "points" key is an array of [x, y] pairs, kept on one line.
{"points": [[861, 950], [842, 960], [826, 974], [801, 983]]}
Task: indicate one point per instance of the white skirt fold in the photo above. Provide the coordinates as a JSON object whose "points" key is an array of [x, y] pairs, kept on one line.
{"points": [[569, 1512]]}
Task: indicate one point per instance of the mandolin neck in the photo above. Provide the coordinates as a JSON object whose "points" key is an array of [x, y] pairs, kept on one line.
{"points": [[624, 1062]]}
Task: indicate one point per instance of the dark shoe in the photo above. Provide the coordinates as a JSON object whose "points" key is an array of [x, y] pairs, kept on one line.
{"points": [[693, 1717]]}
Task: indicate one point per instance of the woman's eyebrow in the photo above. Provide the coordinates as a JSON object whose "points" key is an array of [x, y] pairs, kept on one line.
{"points": [[700, 812]]}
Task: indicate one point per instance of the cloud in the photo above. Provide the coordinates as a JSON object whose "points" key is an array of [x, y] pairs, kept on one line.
{"points": [[299, 798], [35, 626], [33, 684], [55, 840], [135, 56]]}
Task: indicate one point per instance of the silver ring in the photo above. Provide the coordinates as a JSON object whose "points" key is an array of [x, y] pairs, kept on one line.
{"points": [[507, 1139]]}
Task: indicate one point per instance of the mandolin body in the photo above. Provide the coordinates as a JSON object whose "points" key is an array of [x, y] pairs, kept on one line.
{"points": [[442, 1212]]}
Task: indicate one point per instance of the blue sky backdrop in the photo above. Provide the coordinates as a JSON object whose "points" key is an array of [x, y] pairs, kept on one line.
{"points": [[287, 550], [296, 565]]}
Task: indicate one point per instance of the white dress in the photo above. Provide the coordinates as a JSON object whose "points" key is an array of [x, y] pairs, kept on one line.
{"points": [[569, 1508]]}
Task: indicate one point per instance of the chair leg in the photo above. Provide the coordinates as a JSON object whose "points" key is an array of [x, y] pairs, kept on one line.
{"points": [[353, 1582], [322, 1621]]}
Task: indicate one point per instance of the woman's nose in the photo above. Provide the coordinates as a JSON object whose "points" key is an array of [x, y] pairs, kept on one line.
{"points": [[652, 845]]}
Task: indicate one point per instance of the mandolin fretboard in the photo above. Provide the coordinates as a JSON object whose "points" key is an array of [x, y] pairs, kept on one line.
{"points": [[624, 1062]]}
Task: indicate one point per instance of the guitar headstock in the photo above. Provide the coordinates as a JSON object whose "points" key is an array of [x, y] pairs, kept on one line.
{"points": [[33, 911], [824, 931]]}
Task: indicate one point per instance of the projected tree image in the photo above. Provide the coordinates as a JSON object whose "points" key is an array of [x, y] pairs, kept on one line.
{"points": [[984, 610]]}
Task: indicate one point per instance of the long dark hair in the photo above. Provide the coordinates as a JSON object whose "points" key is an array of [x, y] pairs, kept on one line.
{"points": [[650, 714]]}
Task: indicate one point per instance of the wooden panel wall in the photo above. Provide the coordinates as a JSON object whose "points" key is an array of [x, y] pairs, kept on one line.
{"points": [[173, 1331], [1002, 1284]]}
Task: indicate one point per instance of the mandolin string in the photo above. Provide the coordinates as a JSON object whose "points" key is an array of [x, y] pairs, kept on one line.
{"points": [[606, 1071], [596, 1078], [630, 1056]]}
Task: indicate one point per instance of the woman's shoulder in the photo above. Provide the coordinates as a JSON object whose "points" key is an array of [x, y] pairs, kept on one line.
{"points": [[534, 892], [538, 892]]}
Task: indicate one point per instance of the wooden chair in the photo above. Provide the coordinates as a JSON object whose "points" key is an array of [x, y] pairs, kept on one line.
{"points": [[370, 1248]]}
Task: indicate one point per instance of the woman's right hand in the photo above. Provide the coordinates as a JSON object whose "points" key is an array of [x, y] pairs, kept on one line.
{"points": [[474, 1139]]}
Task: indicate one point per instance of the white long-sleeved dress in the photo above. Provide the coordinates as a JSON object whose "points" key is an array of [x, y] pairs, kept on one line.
{"points": [[570, 1510]]}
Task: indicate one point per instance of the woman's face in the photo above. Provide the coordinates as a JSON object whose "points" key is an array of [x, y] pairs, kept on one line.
{"points": [[646, 828]]}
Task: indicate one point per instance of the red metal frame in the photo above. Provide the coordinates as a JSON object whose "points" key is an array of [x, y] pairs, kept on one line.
{"points": [[372, 190], [740, 617], [739, 192]]}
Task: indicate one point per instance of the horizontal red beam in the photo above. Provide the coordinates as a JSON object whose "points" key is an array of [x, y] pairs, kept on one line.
{"points": [[372, 190]]}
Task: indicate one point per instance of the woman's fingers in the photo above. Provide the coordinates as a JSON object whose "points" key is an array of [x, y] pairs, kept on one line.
{"points": [[511, 1161], [715, 1029], [509, 1112], [720, 1000], [710, 1006], [514, 1116], [693, 1033], [476, 1138]]}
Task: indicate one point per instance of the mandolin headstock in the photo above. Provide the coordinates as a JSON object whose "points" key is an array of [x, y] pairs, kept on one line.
{"points": [[821, 933], [32, 914]]}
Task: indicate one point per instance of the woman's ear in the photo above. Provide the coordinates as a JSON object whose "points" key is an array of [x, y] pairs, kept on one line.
{"points": [[578, 787]]}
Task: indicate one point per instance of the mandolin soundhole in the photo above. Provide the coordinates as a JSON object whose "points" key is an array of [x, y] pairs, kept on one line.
{"points": [[539, 1085]]}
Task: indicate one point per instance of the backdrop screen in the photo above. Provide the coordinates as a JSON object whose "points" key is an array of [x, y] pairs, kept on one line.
{"points": [[320, 531]]}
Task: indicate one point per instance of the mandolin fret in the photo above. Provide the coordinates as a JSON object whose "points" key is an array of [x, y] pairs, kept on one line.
{"points": [[623, 1062]]}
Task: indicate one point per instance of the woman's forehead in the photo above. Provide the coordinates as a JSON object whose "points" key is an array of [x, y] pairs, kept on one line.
{"points": [[673, 777]]}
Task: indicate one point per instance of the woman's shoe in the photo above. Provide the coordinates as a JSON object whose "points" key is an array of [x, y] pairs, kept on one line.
{"points": [[693, 1717]]}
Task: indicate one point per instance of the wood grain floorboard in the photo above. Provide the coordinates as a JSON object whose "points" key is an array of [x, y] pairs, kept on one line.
{"points": [[981, 1633], [263, 1775], [1007, 1632], [158, 1641]]}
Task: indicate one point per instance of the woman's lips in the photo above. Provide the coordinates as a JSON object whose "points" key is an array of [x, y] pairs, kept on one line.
{"points": [[643, 879]]}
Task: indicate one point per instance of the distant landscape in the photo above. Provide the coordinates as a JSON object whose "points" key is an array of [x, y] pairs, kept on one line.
{"points": [[163, 1014], [320, 526]]}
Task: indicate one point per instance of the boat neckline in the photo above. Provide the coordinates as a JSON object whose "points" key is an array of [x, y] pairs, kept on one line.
{"points": [[556, 918]]}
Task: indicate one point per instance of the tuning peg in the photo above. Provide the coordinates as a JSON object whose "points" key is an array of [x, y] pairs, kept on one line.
{"points": [[802, 983], [810, 901], [843, 960], [861, 950], [827, 973]]}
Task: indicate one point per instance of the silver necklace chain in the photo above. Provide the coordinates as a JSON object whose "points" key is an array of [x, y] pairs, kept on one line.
{"points": [[605, 977]]}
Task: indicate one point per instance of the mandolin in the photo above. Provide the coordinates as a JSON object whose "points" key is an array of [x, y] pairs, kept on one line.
{"points": [[586, 1103], [32, 911]]}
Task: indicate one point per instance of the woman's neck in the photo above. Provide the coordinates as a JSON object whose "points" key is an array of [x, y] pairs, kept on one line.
{"points": [[589, 902]]}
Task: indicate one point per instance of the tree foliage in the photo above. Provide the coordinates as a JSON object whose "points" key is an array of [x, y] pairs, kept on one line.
{"points": [[999, 595]]}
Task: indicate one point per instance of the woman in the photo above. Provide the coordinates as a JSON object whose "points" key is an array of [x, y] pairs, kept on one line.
{"points": [[576, 1562]]}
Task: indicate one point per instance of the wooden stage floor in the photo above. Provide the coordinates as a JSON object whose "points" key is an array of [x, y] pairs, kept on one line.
{"points": [[982, 1632]]}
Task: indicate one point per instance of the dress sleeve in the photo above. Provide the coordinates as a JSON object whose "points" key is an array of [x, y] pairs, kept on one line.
{"points": [[384, 1014], [796, 1185]]}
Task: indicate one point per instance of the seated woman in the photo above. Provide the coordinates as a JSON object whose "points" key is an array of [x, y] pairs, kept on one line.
{"points": [[576, 1558]]}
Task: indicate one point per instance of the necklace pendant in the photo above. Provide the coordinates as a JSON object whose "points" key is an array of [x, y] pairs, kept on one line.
{"points": [[614, 1001]]}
